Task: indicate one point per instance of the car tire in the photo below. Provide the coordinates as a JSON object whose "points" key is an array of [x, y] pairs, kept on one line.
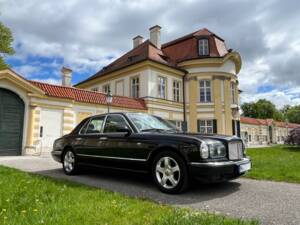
{"points": [[69, 161], [170, 173]]}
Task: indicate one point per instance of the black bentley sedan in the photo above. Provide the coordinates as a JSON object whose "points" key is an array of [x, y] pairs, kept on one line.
{"points": [[146, 143]]}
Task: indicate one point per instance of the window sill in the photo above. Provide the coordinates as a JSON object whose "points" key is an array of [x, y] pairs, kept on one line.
{"points": [[205, 103]]}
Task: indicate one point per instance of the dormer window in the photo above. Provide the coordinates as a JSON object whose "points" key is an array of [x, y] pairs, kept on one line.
{"points": [[203, 47]]}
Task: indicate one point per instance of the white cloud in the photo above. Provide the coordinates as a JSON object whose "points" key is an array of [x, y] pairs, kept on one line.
{"points": [[88, 35], [278, 97], [49, 81]]}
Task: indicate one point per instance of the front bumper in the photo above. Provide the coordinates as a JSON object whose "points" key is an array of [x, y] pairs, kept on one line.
{"points": [[219, 171], [56, 155]]}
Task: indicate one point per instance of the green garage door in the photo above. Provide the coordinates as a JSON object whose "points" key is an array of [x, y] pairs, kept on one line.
{"points": [[11, 123]]}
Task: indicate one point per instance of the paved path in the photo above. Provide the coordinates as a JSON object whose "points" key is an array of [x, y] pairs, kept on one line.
{"points": [[270, 202]]}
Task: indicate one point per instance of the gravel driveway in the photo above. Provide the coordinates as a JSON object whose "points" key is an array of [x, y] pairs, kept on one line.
{"points": [[270, 202]]}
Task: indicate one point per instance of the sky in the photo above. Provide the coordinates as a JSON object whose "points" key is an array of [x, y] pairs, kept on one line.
{"points": [[87, 35]]}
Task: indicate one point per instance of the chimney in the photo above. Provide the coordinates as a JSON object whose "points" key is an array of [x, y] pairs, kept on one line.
{"points": [[66, 75], [155, 36], [137, 41]]}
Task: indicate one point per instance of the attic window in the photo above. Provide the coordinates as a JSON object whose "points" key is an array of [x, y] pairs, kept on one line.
{"points": [[203, 47]]}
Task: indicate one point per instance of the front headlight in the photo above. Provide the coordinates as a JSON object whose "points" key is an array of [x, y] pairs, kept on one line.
{"points": [[204, 150], [216, 149]]}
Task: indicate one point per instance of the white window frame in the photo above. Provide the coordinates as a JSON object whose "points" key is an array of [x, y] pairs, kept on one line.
{"points": [[135, 87], [106, 88], [206, 127], [176, 90], [162, 87], [178, 124], [205, 89], [203, 47]]}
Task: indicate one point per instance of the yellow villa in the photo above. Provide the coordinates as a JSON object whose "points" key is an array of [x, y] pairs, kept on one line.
{"points": [[191, 81]]}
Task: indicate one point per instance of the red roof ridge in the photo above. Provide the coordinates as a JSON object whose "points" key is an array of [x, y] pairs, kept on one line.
{"points": [[57, 85], [82, 95], [257, 121]]}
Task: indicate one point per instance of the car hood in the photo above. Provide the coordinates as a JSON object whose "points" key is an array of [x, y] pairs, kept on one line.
{"points": [[197, 136], [214, 137]]}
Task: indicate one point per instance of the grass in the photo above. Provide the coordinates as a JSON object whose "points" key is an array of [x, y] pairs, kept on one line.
{"points": [[277, 163], [32, 199]]}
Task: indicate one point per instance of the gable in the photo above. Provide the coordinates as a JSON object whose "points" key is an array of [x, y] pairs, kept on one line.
{"points": [[20, 82]]}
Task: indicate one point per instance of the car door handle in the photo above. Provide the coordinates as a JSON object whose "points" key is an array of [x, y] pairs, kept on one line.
{"points": [[103, 138], [78, 139]]}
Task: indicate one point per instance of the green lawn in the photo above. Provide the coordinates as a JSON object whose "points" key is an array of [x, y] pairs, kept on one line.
{"points": [[278, 163], [32, 199]]}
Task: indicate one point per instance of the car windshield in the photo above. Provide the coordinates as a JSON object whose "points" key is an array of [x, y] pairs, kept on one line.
{"points": [[145, 122]]}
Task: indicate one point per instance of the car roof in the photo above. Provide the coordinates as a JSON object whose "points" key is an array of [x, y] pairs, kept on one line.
{"points": [[113, 113]]}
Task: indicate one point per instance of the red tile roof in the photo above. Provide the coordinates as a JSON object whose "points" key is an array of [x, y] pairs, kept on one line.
{"points": [[81, 95], [293, 125], [267, 122], [170, 54], [142, 52], [249, 120], [186, 47], [262, 122]]}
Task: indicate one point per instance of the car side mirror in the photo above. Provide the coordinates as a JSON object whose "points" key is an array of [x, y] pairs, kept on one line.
{"points": [[124, 130]]}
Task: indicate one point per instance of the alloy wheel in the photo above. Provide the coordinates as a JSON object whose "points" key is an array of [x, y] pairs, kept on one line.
{"points": [[69, 161], [167, 172]]}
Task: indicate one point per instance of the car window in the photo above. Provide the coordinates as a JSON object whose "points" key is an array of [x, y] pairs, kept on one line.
{"points": [[145, 122], [113, 123], [95, 125]]}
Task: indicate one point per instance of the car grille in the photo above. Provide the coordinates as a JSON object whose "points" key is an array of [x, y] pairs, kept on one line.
{"points": [[235, 150]]}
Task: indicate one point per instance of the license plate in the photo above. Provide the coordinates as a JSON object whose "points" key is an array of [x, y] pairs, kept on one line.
{"points": [[244, 167]]}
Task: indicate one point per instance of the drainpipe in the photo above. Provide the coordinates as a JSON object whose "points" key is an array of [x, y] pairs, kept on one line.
{"points": [[184, 109]]}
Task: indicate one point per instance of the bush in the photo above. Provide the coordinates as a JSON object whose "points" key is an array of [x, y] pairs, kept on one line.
{"points": [[294, 137]]}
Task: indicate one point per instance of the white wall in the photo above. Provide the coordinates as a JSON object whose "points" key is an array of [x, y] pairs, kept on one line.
{"points": [[143, 76], [148, 84], [227, 67], [153, 84]]}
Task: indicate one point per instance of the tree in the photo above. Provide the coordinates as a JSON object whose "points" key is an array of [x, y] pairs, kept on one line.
{"points": [[279, 116], [294, 137], [249, 110], [285, 109], [293, 114], [6, 48], [262, 109]]}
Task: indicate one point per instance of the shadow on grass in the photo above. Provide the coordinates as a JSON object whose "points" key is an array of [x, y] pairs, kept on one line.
{"points": [[291, 148]]}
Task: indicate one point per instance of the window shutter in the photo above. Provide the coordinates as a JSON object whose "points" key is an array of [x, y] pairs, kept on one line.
{"points": [[198, 125], [238, 125], [233, 127], [215, 128]]}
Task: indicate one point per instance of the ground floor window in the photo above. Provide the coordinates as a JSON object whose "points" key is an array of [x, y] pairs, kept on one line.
{"points": [[207, 126], [236, 128], [177, 123]]}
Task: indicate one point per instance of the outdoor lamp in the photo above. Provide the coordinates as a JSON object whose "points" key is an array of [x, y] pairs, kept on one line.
{"points": [[109, 99]]}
